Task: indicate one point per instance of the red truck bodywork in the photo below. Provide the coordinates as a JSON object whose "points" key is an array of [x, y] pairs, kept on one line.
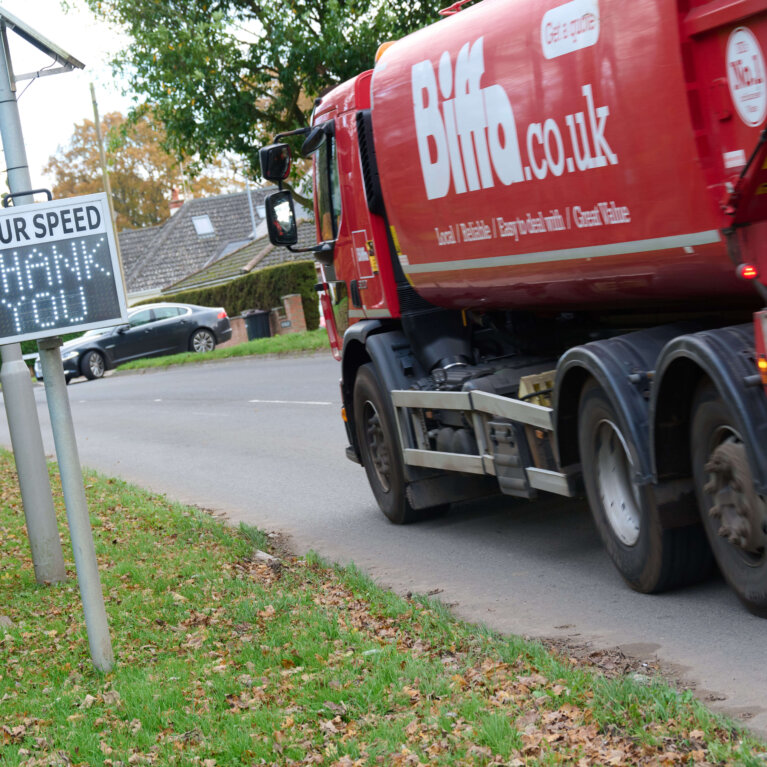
{"points": [[563, 197]]}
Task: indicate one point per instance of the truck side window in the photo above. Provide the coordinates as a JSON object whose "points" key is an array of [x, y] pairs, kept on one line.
{"points": [[328, 189]]}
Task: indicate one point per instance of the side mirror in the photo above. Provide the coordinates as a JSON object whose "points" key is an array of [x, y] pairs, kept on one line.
{"points": [[122, 328], [275, 161], [281, 219]]}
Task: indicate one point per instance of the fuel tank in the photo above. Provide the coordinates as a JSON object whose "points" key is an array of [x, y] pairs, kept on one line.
{"points": [[593, 153]]}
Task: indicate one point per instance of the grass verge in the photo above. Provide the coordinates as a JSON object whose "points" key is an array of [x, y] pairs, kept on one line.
{"points": [[228, 658], [308, 341]]}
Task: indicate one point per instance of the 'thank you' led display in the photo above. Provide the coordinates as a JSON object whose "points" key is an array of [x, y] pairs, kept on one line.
{"points": [[59, 270]]}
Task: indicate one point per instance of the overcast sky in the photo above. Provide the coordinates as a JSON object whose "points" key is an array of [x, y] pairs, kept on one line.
{"points": [[51, 106]]}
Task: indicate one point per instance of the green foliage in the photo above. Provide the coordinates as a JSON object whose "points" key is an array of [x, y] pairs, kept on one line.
{"points": [[260, 290], [142, 175], [226, 75]]}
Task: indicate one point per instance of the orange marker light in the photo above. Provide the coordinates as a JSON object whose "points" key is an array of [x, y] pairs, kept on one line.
{"points": [[382, 47], [761, 364]]}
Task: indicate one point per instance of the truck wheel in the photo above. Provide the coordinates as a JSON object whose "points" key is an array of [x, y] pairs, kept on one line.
{"points": [[379, 446], [734, 515], [650, 558]]}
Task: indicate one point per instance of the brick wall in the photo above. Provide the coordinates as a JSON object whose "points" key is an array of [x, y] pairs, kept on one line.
{"points": [[289, 318], [239, 332]]}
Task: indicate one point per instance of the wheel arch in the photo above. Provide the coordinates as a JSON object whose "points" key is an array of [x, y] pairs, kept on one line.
{"points": [[622, 367], [570, 380], [724, 356], [575, 369], [354, 357], [385, 345]]}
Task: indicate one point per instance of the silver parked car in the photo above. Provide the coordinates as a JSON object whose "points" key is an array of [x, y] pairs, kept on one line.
{"points": [[152, 330]]}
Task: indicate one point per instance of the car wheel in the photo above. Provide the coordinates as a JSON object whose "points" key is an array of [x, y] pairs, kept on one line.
{"points": [[93, 365], [202, 340], [650, 557]]}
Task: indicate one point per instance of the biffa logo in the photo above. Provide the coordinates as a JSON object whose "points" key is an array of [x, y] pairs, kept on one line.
{"points": [[468, 133], [468, 114]]}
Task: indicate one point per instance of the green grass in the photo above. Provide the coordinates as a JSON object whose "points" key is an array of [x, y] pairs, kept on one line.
{"points": [[308, 341], [225, 660]]}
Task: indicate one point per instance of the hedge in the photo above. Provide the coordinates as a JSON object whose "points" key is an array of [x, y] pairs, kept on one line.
{"points": [[30, 347], [262, 289]]}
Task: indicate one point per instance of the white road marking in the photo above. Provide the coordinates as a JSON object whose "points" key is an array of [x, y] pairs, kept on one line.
{"points": [[287, 402]]}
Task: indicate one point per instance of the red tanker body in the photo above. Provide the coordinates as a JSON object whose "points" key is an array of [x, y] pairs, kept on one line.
{"points": [[554, 161], [550, 221]]}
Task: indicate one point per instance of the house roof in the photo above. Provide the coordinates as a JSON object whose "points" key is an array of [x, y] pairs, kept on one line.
{"points": [[134, 243], [198, 234], [257, 254]]}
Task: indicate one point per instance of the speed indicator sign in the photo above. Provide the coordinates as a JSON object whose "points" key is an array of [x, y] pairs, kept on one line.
{"points": [[59, 269]]}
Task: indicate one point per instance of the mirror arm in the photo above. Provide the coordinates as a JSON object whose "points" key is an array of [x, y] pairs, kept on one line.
{"points": [[296, 132], [323, 247]]}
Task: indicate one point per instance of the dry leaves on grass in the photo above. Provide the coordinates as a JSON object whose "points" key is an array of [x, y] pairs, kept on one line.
{"points": [[297, 663]]}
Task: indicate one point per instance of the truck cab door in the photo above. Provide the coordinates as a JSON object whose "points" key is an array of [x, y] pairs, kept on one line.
{"points": [[366, 230], [366, 294]]}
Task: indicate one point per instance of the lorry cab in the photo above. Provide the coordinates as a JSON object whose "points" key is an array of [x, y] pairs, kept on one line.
{"points": [[361, 256]]}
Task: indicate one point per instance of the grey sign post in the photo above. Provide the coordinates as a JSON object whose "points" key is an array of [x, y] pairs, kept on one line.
{"points": [[60, 273], [19, 401]]}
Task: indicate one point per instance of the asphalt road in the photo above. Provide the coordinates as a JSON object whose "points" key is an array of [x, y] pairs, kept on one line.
{"points": [[262, 441]]}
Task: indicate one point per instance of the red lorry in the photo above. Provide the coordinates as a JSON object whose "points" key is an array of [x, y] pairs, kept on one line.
{"points": [[550, 219]]}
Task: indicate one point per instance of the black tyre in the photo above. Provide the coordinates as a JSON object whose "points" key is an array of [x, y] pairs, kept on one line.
{"points": [[93, 365], [734, 516], [380, 449], [202, 340], [650, 557]]}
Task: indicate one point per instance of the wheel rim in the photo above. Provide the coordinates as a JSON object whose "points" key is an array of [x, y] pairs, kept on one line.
{"points": [[727, 478], [617, 491], [202, 342], [376, 446], [96, 365]]}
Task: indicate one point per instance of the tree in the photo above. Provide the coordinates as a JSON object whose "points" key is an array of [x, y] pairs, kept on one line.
{"points": [[141, 173], [226, 75]]}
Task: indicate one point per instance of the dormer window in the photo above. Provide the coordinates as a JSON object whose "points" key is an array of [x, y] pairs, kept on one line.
{"points": [[202, 225]]}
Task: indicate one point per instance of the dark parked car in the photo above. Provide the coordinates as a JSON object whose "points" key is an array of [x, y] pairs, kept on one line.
{"points": [[151, 331]]}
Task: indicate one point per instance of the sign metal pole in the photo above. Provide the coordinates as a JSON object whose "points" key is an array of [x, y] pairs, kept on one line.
{"points": [[77, 507], [20, 408]]}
